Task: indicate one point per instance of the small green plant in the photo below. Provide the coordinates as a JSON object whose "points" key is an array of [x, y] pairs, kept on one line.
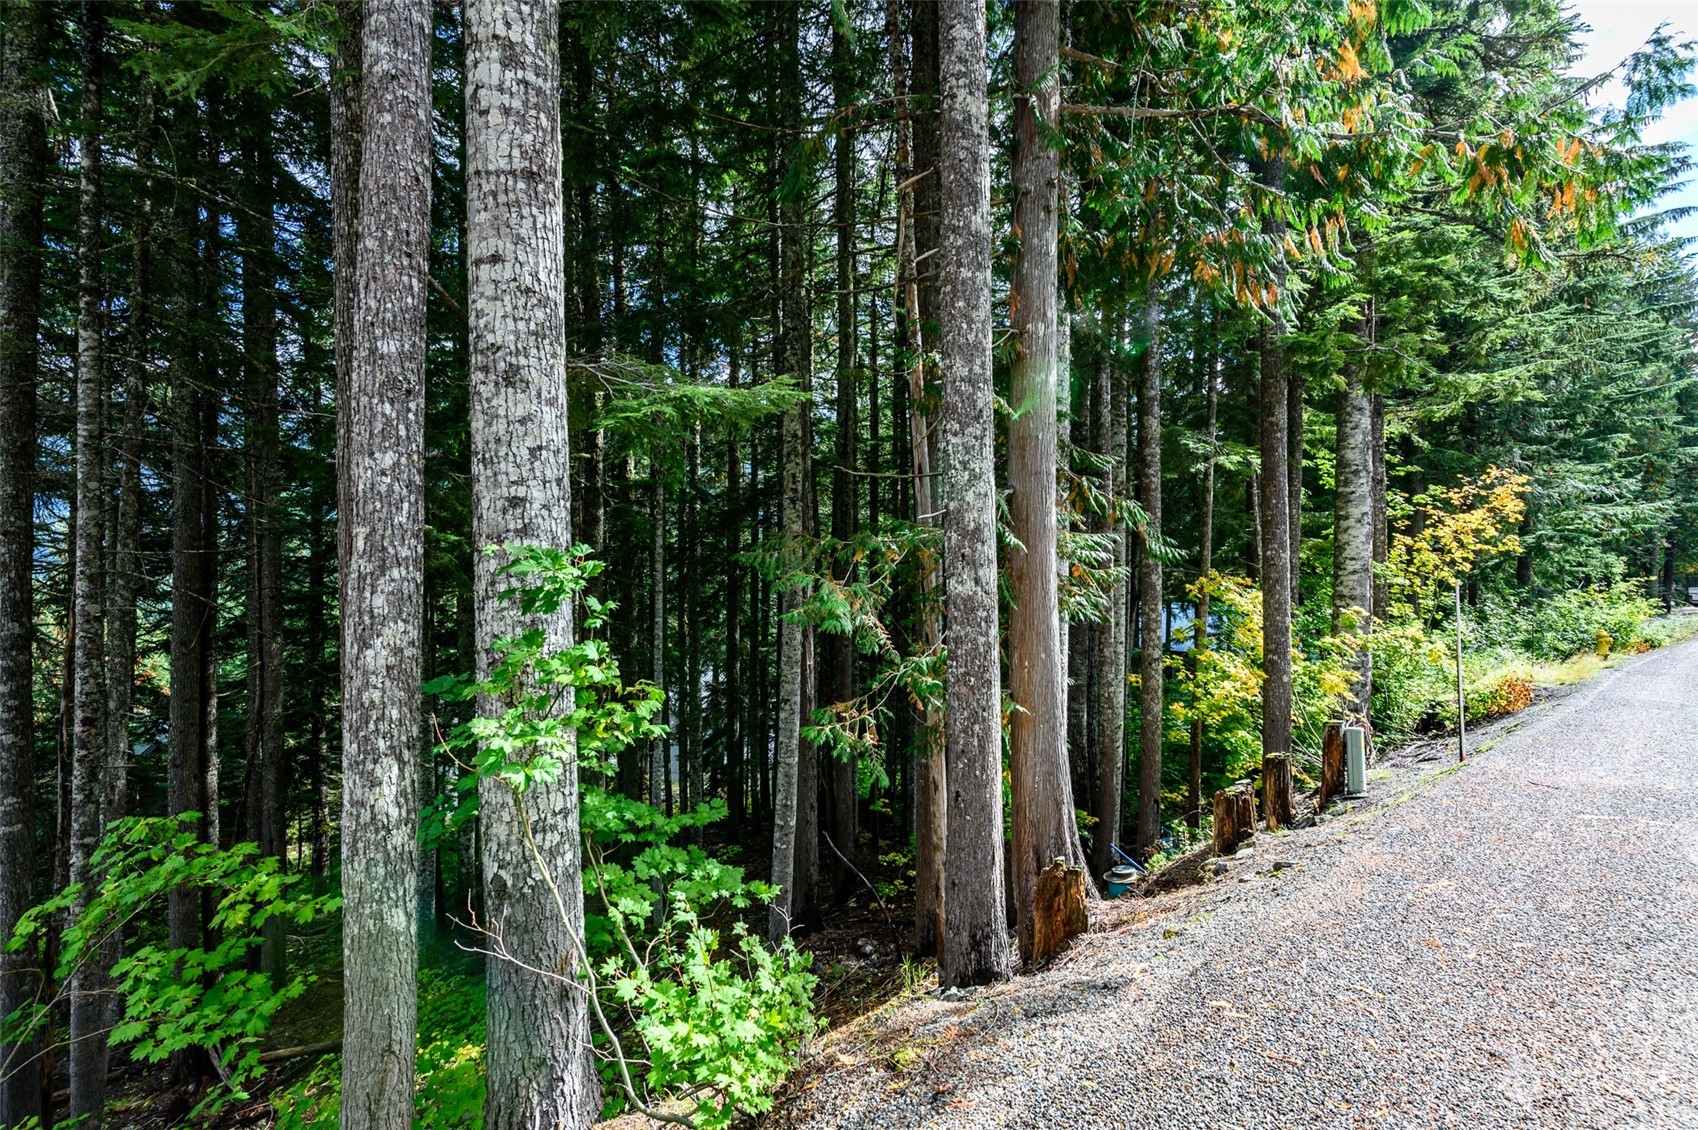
{"points": [[914, 973], [718, 1015], [176, 999]]}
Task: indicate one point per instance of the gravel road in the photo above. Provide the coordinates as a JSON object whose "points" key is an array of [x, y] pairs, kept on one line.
{"points": [[1514, 944]]}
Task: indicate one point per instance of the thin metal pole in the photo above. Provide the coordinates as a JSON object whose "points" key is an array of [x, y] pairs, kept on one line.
{"points": [[1461, 699]]}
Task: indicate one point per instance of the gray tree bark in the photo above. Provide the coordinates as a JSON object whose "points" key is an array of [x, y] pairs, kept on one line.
{"points": [[541, 1070], [1377, 496], [23, 173], [1205, 566], [659, 770], [785, 777], [124, 572], [795, 846], [1294, 479], [917, 148], [974, 950], [1045, 828], [89, 985], [1070, 713], [736, 794], [839, 661], [191, 572], [1076, 640], [266, 780], [346, 131], [1152, 606], [920, 206], [382, 506], [1353, 529], [1276, 517], [194, 409], [1112, 394]]}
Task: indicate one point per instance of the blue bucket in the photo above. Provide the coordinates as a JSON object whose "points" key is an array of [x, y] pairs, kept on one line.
{"points": [[1119, 880]]}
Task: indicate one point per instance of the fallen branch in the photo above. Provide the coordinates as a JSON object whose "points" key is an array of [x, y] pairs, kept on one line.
{"points": [[281, 1054]]}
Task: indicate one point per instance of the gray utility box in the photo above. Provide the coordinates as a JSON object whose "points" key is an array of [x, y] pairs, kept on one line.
{"points": [[1355, 761]]}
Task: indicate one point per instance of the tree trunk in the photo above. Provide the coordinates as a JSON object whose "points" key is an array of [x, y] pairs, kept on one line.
{"points": [[317, 750], [805, 906], [839, 660], [974, 950], [796, 801], [90, 984], [1110, 707], [659, 770], [736, 795], [1381, 603], [192, 570], [1152, 607], [1294, 480], [210, 412], [786, 783], [1353, 530], [1275, 511], [346, 131], [689, 622], [124, 568], [1205, 567], [541, 1070], [1042, 791], [382, 509], [23, 161], [1082, 636], [917, 232], [267, 769]]}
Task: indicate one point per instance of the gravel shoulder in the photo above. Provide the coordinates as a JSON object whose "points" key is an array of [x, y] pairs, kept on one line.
{"points": [[1512, 943]]}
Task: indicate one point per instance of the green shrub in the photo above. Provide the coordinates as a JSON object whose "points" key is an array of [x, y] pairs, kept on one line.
{"points": [[1413, 675], [1572, 622], [176, 999], [719, 1023]]}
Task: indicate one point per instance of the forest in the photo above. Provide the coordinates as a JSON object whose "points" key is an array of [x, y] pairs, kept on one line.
{"points": [[551, 551]]}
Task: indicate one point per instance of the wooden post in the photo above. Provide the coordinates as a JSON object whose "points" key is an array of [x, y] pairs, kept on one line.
{"points": [[1058, 909], [1276, 790], [1461, 697], [1332, 762]]}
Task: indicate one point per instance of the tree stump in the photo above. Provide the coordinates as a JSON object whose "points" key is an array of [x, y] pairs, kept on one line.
{"points": [[1235, 817], [1332, 763], [1276, 790], [1058, 909]]}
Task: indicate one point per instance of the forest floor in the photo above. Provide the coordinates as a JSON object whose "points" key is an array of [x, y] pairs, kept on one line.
{"points": [[1509, 943]]}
